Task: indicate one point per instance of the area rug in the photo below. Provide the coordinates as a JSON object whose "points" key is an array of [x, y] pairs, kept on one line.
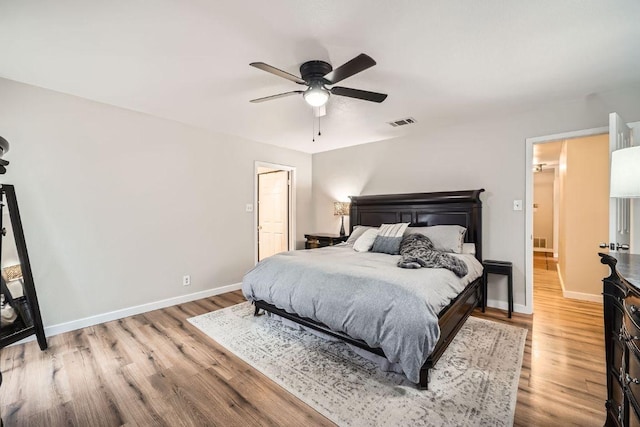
{"points": [[475, 382]]}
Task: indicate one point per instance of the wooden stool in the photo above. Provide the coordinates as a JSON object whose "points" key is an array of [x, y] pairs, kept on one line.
{"points": [[498, 267]]}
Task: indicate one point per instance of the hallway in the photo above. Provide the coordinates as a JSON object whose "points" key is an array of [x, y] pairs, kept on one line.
{"points": [[563, 372]]}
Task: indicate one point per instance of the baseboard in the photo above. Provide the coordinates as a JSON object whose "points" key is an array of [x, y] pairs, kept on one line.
{"points": [[503, 305], [61, 328], [577, 295], [582, 296], [543, 250]]}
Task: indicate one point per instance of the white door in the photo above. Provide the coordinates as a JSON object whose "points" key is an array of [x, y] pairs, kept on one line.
{"points": [[273, 213], [620, 219]]}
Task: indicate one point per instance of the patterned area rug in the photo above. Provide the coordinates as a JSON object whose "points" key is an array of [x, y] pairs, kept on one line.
{"points": [[474, 383]]}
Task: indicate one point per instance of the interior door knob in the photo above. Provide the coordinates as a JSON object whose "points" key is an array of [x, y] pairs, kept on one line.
{"points": [[603, 245]]}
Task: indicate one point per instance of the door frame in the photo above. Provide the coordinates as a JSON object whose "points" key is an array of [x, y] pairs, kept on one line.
{"points": [[292, 203], [528, 205]]}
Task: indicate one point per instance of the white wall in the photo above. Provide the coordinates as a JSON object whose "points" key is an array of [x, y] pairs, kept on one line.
{"points": [[117, 206], [487, 154], [634, 247], [634, 238]]}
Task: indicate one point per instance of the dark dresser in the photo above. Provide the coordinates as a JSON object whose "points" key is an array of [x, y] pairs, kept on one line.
{"points": [[621, 293]]}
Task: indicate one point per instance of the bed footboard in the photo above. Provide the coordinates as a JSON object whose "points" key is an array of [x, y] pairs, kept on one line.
{"points": [[451, 320]]}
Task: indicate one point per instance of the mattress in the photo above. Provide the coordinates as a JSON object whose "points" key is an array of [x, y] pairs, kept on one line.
{"points": [[364, 295]]}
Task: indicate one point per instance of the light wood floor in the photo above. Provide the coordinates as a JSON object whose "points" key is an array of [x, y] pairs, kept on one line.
{"points": [[156, 369], [563, 380]]}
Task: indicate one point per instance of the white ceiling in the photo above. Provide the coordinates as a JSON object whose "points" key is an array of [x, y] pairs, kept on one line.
{"points": [[441, 62]]}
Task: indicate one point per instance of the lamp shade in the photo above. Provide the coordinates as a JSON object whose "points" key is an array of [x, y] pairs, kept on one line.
{"points": [[625, 172], [316, 96], [341, 208]]}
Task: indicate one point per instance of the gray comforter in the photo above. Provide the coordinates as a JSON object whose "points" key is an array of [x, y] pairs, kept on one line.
{"points": [[364, 295]]}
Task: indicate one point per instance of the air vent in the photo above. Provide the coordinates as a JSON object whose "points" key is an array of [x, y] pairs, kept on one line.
{"points": [[402, 122], [540, 242]]}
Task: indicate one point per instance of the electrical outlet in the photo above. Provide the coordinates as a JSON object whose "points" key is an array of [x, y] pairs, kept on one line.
{"points": [[186, 280], [249, 207]]}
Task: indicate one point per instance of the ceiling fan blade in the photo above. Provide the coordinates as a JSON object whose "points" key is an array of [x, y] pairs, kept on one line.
{"points": [[273, 70], [280, 95], [360, 94], [357, 64]]}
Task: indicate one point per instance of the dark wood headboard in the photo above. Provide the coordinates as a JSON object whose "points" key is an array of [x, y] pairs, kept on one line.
{"points": [[422, 209]]}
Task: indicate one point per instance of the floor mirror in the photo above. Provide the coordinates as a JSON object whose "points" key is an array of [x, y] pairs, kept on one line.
{"points": [[20, 316]]}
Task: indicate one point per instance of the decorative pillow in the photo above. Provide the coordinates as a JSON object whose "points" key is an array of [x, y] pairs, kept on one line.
{"points": [[446, 238], [365, 242], [358, 231], [389, 238], [417, 251]]}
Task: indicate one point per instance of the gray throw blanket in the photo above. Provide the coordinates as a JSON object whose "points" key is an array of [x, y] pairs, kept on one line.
{"points": [[417, 251]]}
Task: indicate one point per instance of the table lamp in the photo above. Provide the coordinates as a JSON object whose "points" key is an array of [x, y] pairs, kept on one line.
{"points": [[625, 172], [342, 209]]}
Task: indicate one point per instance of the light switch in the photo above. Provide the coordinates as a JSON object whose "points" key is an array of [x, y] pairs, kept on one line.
{"points": [[249, 207], [517, 205]]}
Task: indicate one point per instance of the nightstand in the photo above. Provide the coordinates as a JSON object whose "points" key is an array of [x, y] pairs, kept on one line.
{"points": [[320, 240], [498, 267]]}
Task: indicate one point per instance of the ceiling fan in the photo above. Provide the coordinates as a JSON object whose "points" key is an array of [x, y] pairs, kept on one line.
{"points": [[318, 74]]}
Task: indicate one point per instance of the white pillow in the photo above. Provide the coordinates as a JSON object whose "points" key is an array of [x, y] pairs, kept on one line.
{"points": [[365, 242], [446, 238], [358, 231]]}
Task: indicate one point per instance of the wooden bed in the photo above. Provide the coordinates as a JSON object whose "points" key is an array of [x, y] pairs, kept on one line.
{"points": [[420, 209]]}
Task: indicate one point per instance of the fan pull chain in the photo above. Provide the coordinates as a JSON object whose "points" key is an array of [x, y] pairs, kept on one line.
{"points": [[313, 126]]}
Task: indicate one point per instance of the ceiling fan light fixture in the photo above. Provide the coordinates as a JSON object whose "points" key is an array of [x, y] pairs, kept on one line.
{"points": [[316, 74], [316, 96]]}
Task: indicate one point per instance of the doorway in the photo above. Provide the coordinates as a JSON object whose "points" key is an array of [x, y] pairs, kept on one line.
{"points": [[570, 211], [615, 127], [546, 179], [559, 167], [274, 213]]}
